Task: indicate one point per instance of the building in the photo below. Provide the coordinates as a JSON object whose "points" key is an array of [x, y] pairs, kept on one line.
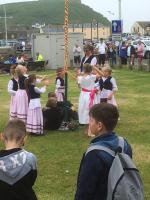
{"points": [[53, 28], [91, 31], [19, 32], [141, 27], [51, 46]]}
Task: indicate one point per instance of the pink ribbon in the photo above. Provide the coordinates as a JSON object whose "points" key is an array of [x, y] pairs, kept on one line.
{"points": [[92, 95]]}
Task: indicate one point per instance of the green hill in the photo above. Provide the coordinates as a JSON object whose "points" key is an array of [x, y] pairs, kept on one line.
{"points": [[51, 12]]}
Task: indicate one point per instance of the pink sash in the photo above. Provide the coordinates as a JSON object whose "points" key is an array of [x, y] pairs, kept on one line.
{"points": [[92, 95]]}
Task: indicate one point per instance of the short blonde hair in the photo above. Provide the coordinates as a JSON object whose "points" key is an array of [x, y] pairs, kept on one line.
{"points": [[19, 70], [107, 69], [87, 68], [14, 130]]}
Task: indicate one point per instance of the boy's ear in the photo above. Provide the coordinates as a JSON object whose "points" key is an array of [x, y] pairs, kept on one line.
{"points": [[100, 126]]}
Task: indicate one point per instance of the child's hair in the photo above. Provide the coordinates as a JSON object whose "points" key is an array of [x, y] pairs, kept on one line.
{"points": [[14, 130], [107, 68], [51, 103], [59, 71], [51, 94], [19, 70], [88, 47], [106, 113], [13, 70], [29, 81], [87, 68]]}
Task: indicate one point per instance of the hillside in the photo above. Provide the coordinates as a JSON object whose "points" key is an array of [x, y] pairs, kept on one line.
{"points": [[50, 12]]}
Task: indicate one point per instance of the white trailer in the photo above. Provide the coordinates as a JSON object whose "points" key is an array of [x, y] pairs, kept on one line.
{"points": [[51, 46]]}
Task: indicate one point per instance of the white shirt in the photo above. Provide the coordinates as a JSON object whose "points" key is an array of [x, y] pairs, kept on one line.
{"points": [[58, 84], [101, 48], [87, 82], [10, 88], [129, 51], [93, 61], [104, 92], [35, 103], [76, 51]]}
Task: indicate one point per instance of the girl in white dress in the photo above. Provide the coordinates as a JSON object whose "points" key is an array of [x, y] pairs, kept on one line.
{"points": [[34, 116], [87, 96], [60, 85], [108, 86], [21, 99], [12, 89]]}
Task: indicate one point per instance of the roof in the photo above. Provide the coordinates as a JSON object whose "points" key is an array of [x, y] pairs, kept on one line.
{"points": [[144, 24]]}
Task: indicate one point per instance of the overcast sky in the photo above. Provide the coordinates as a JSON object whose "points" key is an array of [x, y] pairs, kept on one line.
{"points": [[132, 10]]}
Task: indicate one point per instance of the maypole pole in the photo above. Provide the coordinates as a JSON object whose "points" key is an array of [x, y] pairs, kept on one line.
{"points": [[66, 47]]}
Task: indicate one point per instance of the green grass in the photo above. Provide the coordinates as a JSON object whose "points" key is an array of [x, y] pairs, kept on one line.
{"points": [[60, 151]]}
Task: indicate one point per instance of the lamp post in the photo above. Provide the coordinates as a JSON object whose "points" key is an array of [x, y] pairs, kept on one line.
{"points": [[5, 18], [5, 14], [94, 26], [66, 46], [119, 8]]}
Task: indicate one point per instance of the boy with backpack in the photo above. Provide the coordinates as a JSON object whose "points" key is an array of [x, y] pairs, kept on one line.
{"points": [[18, 170], [102, 175]]}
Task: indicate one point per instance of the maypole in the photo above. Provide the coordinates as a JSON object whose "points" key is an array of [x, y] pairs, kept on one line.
{"points": [[66, 47]]}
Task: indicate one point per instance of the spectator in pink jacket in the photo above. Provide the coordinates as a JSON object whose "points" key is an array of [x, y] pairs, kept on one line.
{"points": [[140, 52]]}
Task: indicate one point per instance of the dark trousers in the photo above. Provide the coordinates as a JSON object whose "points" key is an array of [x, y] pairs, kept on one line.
{"points": [[123, 60], [77, 59], [102, 59]]}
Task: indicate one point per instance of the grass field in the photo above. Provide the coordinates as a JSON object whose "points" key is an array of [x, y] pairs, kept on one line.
{"points": [[59, 153]]}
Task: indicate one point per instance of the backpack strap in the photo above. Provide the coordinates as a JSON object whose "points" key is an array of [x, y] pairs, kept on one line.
{"points": [[121, 143], [101, 148], [107, 150]]}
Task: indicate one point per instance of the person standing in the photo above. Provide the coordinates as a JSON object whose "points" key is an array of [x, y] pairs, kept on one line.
{"points": [[21, 98], [108, 87], [140, 53], [89, 57], [34, 116], [60, 85], [18, 167], [94, 167], [111, 51], [12, 89], [88, 94], [77, 54], [101, 48], [131, 54], [123, 53]]}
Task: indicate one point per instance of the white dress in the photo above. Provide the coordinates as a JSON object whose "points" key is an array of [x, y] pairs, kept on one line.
{"points": [[105, 93], [34, 115], [59, 91], [13, 100], [87, 83]]}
